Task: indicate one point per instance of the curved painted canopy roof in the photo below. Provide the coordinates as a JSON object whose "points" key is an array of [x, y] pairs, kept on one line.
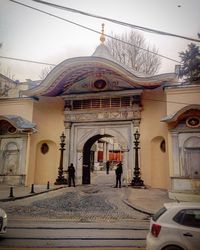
{"points": [[180, 113], [19, 122], [77, 75]]}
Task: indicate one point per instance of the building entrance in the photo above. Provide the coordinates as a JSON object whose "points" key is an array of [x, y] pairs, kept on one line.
{"points": [[94, 157], [93, 144]]}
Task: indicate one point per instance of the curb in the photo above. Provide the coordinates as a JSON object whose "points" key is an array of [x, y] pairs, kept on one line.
{"points": [[139, 209], [29, 195]]}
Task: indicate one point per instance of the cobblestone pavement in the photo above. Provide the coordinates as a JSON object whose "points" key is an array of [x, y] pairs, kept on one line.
{"points": [[86, 204], [97, 202]]}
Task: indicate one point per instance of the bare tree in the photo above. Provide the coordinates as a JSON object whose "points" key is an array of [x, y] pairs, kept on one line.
{"points": [[7, 82], [45, 71], [139, 57]]}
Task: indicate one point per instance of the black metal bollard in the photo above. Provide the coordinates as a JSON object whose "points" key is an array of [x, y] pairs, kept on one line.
{"points": [[11, 192], [32, 189], [48, 185]]}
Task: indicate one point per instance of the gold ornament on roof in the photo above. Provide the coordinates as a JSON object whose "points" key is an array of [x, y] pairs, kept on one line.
{"points": [[102, 37]]}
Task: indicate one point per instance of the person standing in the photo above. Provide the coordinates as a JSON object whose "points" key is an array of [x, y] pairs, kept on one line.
{"points": [[107, 167], [71, 175], [118, 173]]}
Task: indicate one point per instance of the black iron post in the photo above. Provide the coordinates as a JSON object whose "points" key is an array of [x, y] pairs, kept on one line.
{"points": [[11, 192], [137, 181], [32, 189], [61, 180]]}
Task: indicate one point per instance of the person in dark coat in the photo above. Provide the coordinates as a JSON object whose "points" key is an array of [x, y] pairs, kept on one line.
{"points": [[71, 174], [118, 173], [107, 167]]}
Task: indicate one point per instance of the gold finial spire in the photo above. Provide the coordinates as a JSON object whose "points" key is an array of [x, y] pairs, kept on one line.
{"points": [[102, 37]]}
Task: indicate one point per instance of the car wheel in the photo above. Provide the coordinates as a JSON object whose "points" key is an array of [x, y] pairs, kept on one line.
{"points": [[172, 248]]}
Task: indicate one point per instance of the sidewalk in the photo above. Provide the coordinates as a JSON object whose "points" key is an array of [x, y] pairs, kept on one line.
{"points": [[146, 200], [20, 191]]}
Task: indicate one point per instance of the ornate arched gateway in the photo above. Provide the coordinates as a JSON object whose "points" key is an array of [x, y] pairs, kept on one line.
{"points": [[102, 99]]}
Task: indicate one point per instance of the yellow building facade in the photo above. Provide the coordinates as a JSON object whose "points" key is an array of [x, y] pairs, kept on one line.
{"points": [[94, 99]]}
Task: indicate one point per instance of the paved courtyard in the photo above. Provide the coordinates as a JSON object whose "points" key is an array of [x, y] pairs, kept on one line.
{"points": [[99, 201]]}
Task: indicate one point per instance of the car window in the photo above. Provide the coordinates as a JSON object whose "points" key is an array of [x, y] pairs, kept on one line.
{"points": [[188, 217], [159, 213], [178, 217]]}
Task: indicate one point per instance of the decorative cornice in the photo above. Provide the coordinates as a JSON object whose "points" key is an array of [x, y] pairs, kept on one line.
{"points": [[179, 89], [68, 71], [119, 114], [102, 95]]}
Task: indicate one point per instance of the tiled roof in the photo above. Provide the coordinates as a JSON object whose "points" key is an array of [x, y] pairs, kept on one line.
{"points": [[19, 122]]}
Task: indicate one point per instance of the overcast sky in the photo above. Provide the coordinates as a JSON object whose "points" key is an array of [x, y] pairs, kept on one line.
{"points": [[28, 34]]}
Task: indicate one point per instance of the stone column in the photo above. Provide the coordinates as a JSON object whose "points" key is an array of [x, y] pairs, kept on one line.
{"points": [[96, 152], [96, 156], [104, 152], [107, 151], [79, 167], [67, 145], [175, 153]]}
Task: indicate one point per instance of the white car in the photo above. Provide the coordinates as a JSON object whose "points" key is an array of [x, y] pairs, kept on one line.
{"points": [[176, 226], [3, 221]]}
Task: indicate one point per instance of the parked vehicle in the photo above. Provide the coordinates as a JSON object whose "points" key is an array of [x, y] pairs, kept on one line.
{"points": [[176, 226], [3, 221]]}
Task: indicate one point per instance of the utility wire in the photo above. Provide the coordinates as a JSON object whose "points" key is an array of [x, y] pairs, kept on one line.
{"points": [[85, 27], [116, 21], [24, 60], [163, 101]]}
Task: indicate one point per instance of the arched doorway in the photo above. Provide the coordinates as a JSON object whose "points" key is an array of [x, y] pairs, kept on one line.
{"points": [[84, 137], [88, 157]]}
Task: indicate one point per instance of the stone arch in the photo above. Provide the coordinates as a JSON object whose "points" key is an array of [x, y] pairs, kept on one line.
{"points": [[47, 161], [191, 152], [90, 136], [159, 163], [122, 132], [94, 132]]}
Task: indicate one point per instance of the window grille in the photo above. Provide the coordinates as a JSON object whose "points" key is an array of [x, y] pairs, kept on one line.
{"points": [[102, 103], [96, 103], [105, 103], [115, 102]]}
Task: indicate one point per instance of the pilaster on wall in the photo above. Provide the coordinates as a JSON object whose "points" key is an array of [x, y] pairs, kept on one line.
{"points": [[175, 153], [136, 125], [67, 145]]}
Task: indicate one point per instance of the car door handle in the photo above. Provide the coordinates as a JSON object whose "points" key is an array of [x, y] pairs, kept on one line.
{"points": [[188, 235]]}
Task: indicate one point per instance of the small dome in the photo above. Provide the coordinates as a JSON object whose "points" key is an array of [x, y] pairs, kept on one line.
{"points": [[103, 51]]}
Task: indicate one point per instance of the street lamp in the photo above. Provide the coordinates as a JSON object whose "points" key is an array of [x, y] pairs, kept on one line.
{"points": [[137, 181], [61, 180]]}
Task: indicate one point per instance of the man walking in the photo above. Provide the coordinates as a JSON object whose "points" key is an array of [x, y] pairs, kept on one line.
{"points": [[107, 167], [118, 173], [71, 174]]}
